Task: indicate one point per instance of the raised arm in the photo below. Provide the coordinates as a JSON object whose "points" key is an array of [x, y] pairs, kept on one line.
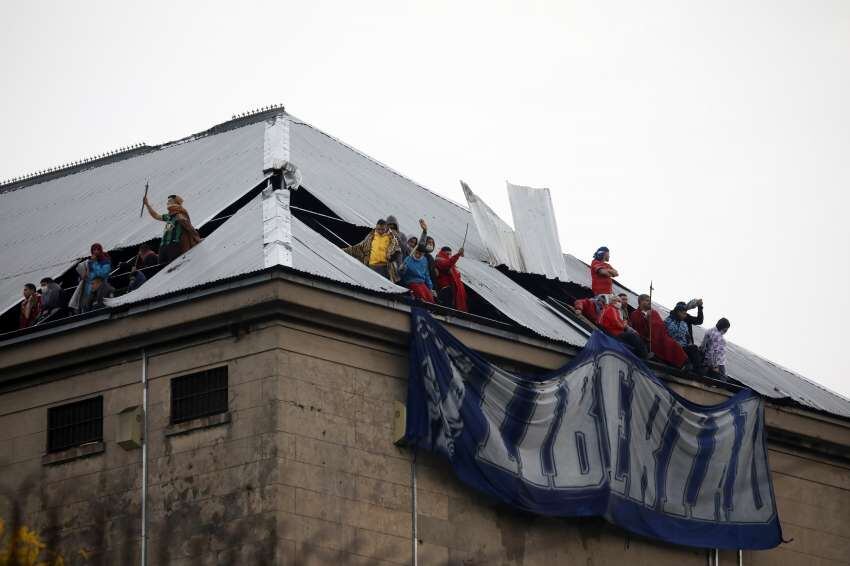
{"points": [[154, 214]]}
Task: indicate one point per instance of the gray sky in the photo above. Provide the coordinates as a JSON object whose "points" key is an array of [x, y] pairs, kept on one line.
{"points": [[701, 141]]}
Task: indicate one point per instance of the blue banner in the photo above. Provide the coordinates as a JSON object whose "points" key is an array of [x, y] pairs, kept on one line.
{"points": [[601, 436]]}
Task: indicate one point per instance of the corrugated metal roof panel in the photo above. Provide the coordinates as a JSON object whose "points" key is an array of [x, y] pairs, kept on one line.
{"points": [[236, 248], [44, 227], [537, 231]]}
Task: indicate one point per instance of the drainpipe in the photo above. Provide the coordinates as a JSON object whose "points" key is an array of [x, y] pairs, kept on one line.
{"points": [[740, 558], [144, 555], [413, 494]]}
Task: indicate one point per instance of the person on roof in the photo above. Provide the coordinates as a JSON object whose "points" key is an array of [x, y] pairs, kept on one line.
{"points": [[415, 275], [680, 327], [450, 289], [601, 273], [30, 306], [392, 224], [51, 297], [99, 264], [100, 290], [612, 322], [179, 236], [379, 250], [665, 348], [624, 308], [144, 259], [713, 349]]}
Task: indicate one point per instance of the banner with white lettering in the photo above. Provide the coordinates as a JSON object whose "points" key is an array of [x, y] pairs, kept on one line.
{"points": [[601, 436]]}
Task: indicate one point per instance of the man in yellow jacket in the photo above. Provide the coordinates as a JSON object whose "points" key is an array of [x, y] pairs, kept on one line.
{"points": [[379, 250]]}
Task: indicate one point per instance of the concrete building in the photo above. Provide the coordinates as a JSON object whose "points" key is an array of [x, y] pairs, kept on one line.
{"points": [[272, 386]]}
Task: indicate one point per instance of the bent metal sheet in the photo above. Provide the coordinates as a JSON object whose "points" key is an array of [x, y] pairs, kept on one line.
{"points": [[601, 436]]}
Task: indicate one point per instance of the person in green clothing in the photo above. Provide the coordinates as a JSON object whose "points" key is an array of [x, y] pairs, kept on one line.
{"points": [[179, 236]]}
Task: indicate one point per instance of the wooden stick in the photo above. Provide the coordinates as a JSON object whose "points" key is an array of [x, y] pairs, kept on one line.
{"points": [[464, 234], [650, 316], [142, 211]]}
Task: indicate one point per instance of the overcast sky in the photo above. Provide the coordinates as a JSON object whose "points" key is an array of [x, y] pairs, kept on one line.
{"points": [[706, 143]]}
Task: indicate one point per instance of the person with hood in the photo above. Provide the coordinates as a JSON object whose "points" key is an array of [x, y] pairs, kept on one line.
{"points": [[450, 289], [379, 251], [680, 328], [98, 265], [665, 348], [415, 276], [601, 273], [713, 349], [612, 322], [30, 306], [51, 297], [392, 224], [179, 236], [100, 290]]}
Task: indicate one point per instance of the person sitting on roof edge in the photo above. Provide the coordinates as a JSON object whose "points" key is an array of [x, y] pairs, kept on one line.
{"points": [[713, 349], [144, 259], [450, 289], [415, 276], [30, 306], [98, 265], [178, 236], [100, 290], [665, 348], [378, 250], [680, 327], [51, 297], [601, 273], [624, 305], [612, 322]]}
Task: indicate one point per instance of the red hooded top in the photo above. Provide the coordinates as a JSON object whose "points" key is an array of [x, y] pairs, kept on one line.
{"points": [[448, 275]]}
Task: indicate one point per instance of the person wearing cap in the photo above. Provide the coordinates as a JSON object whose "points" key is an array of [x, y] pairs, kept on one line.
{"points": [[713, 349], [416, 277], [601, 273], [665, 348], [680, 327], [379, 250], [612, 322], [178, 236], [450, 289]]}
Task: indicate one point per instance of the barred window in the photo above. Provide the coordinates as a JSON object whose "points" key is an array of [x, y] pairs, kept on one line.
{"points": [[199, 394], [74, 424]]}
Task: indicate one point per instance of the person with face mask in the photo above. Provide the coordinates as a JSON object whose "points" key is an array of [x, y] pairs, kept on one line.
{"points": [[179, 236], [51, 297], [713, 349]]}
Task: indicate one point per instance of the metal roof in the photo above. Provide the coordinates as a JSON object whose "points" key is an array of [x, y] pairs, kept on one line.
{"points": [[236, 248], [46, 227]]}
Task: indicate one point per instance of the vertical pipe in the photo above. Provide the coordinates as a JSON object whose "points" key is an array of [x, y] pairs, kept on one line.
{"points": [[740, 557], [716, 557], [413, 494], [144, 557]]}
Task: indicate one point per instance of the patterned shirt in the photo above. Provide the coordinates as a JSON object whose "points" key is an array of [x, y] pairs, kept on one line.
{"points": [[713, 348], [678, 329]]}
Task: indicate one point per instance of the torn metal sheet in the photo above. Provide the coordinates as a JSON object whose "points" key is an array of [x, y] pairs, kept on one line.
{"points": [[277, 228], [236, 248], [537, 231], [46, 226], [498, 237]]}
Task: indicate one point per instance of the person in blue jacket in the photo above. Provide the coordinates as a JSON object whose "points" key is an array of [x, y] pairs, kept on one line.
{"points": [[98, 265], [415, 275]]}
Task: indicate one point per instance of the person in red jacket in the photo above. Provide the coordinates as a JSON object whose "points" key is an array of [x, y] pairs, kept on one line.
{"points": [[665, 348], [450, 289], [601, 273], [612, 322]]}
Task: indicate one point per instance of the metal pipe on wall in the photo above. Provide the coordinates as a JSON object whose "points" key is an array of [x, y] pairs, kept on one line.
{"points": [[740, 558], [415, 550], [144, 553]]}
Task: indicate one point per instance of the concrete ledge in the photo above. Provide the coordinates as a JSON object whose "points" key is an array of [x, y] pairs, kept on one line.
{"points": [[199, 423], [74, 453]]}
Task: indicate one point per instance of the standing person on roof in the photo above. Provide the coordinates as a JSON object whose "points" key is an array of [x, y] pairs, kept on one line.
{"points": [[450, 289], [601, 273], [612, 322], [30, 306], [392, 224], [665, 348], [179, 236], [680, 327], [378, 250], [99, 264], [415, 276], [713, 349]]}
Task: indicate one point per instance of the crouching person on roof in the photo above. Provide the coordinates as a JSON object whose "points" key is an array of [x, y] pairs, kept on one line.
{"points": [[665, 348], [379, 250], [680, 327], [416, 277], [179, 236], [51, 298], [612, 322], [100, 290], [450, 289]]}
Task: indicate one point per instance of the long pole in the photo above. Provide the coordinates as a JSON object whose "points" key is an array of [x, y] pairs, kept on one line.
{"points": [[465, 232], [142, 211], [144, 553], [649, 325], [415, 529]]}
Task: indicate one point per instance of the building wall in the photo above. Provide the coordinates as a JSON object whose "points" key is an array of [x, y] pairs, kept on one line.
{"points": [[306, 472]]}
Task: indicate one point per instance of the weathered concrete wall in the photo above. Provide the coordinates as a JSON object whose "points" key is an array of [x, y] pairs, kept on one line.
{"points": [[305, 472]]}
